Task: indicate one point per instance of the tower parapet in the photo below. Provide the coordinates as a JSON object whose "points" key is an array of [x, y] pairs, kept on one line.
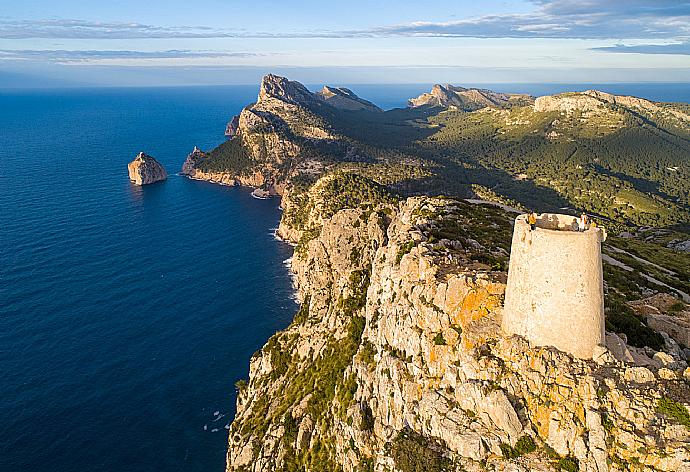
{"points": [[555, 292]]}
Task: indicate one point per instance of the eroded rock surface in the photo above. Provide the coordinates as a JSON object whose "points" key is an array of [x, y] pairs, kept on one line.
{"points": [[397, 353], [144, 170]]}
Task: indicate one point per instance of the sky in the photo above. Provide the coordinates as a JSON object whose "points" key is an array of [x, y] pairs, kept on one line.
{"points": [[175, 42]]}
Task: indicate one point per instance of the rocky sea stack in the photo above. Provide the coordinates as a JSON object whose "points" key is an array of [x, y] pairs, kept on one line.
{"points": [[144, 170]]}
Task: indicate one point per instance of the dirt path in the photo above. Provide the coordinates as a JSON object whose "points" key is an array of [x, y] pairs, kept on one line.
{"points": [[614, 262]]}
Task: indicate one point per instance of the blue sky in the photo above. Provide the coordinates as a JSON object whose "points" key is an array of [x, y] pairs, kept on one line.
{"points": [[175, 42]]}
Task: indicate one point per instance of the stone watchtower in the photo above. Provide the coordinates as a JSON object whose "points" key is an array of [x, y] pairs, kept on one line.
{"points": [[555, 292]]}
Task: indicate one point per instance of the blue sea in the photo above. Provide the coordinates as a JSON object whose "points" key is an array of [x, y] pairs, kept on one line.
{"points": [[127, 313]]}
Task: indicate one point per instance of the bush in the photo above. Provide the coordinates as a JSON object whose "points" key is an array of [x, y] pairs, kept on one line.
{"points": [[439, 340], [674, 410], [404, 249], [413, 452], [525, 445], [621, 319], [569, 464]]}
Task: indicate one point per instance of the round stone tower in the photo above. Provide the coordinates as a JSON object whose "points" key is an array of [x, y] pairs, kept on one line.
{"points": [[555, 292]]}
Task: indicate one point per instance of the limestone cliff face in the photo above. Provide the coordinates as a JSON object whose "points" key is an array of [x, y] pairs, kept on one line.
{"points": [[594, 101], [144, 170], [468, 99], [280, 135], [345, 99], [396, 359]]}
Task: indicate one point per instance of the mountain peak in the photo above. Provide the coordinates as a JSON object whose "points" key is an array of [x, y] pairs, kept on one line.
{"points": [[467, 99], [275, 86], [344, 99]]}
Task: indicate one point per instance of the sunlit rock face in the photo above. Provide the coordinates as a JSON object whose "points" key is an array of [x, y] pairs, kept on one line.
{"points": [[398, 352], [144, 170]]}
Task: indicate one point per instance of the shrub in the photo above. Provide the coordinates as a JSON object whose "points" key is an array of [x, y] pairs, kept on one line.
{"points": [[413, 452], [439, 340], [525, 445], [621, 319], [674, 410], [404, 249], [569, 464], [367, 352]]}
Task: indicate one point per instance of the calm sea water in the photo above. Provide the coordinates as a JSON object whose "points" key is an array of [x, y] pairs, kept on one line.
{"points": [[126, 313]]}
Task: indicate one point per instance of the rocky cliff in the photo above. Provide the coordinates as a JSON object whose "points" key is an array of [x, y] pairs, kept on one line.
{"points": [[281, 135], [144, 170], [396, 361], [345, 99], [468, 99]]}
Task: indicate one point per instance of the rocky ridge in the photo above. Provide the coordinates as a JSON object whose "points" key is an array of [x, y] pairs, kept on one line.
{"points": [[468, 99], [277, 137], [144, 170], [396, 356], [345, 99], [602, 102]]}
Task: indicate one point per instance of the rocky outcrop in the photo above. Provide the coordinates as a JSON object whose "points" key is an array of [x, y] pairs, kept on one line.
{"points": [[232, 127], [666, 313], [397, 354], [271, 140], [468, 99], [288, 91], [568, 102], [594, 101], [193, 159], [144, 170], [345, 99]]}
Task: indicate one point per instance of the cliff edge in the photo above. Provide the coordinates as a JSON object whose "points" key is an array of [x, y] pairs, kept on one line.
{"points": [[396, 359]]}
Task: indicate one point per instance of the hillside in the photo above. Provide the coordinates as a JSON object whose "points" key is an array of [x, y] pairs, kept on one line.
{"points": [[395, 360], [622, 158]]}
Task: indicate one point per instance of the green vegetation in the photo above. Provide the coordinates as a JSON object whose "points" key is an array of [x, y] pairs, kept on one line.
{"points": [[346, 190], [231, 156], [523, 446], [674, 410], [405, 248], [439, 340], [323, 380], [568, 464], [413, 452], [303, 313], [621, 319]]}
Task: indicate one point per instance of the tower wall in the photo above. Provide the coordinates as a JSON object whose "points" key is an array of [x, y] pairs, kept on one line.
{"points": [[555, 294]]}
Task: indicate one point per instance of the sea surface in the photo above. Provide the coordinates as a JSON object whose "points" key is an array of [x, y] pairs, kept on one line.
{"points": [[127, 313]]}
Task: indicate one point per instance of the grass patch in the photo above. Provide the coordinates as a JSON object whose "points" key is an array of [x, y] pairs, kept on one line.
{"points": [[675, 410]]}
